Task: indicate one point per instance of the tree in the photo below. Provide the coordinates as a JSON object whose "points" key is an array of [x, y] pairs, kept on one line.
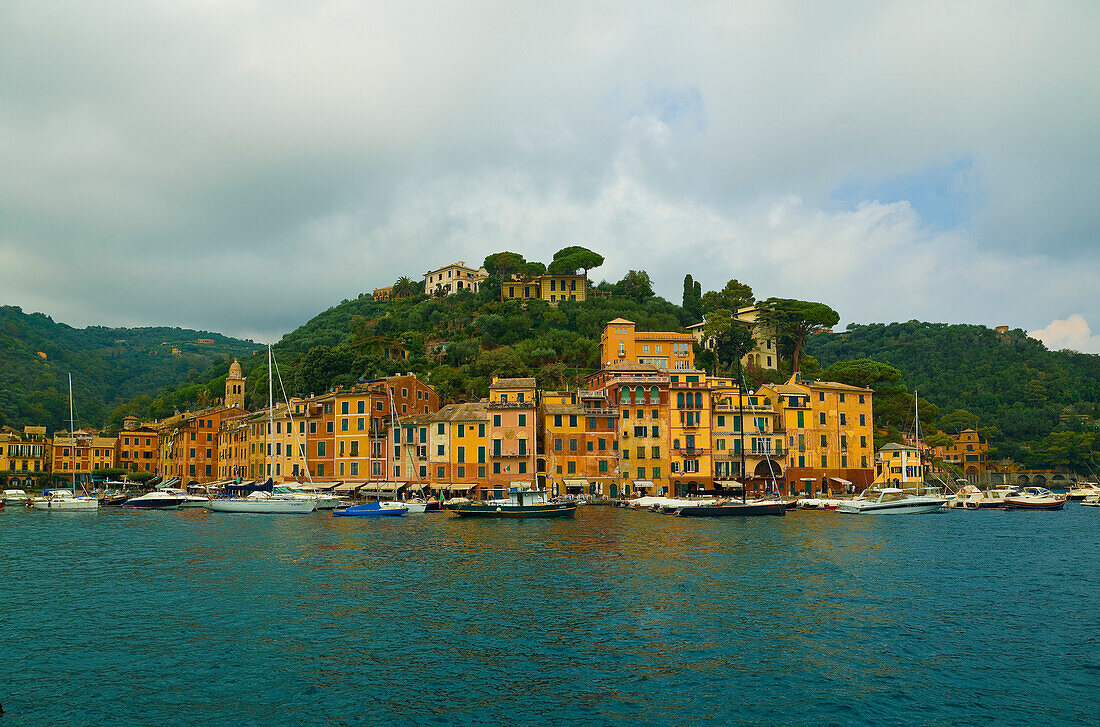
{"points": [[939, 439], [958, 420], [635, 284], [569, 260], [503, 265], [733, 340], [734, 296], [693, 301], [863, 372], [141, 477], [405, 287], [794, 320]]}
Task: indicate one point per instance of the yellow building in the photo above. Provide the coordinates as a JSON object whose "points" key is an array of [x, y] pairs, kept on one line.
{"points": [[453, 278], [621, 342], [551, 287], [458, 448], [763, 356], [562, 451], [138, 446], [381, 294], [899, 465], [968, 452], [24, 457], [639, 394], [829, 435], [746, 447], [689, 422]]}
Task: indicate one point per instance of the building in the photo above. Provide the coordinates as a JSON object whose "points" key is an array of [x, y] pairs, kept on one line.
{"points": [[83, 452], [636, 401], [234, 387], [382, 294], [458, 449], [764, 355], [829, 435], [968, 453], [691, 467], [451, 279], [513, 433], [362, 420], [188, 444], [621, 343], [898, 465], [550, 287], [137, 446], [24, 456]]}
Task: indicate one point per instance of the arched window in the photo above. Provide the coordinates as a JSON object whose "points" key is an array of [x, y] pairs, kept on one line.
{"points": [[654, 395], [639, 395], [698, 400], [679, 400], [624, 397]]}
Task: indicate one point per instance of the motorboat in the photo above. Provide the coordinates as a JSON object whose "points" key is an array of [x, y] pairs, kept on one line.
{"points": [[322, 501], [520, 503], [971, 497], [156, 500], [890, 501], [65, 501], [1091, 501], [1035, 498], [188, 500], [16, 497], [373, 509], [261, 503], [817, 503], [1082, 490]]}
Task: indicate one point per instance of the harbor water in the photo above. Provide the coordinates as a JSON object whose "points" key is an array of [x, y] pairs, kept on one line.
{"points": [[614, 618]]}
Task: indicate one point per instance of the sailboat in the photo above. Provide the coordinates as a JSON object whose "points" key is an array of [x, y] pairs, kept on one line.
{"points": [[65, 500], [261, 502], [882, 499]]}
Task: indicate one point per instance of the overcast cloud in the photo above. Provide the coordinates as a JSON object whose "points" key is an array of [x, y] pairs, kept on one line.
{"points": [[240, 166]]}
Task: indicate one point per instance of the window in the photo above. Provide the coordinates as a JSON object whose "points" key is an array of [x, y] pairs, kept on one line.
{"points": [[801, 419], [603, 466], [824, 441], [343, 407], [439, 429], [572, 420], [461, 431], [522, 467], [862, 420], [558, 442], [821, 417], [496, 420], [655, 452], [462, 455]]}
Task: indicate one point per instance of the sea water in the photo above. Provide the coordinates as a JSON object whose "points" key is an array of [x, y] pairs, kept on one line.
{"points": [[615, 618]]}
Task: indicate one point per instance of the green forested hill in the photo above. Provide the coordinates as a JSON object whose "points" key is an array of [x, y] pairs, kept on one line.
{"points": [[108, 365], [1011, 382]]}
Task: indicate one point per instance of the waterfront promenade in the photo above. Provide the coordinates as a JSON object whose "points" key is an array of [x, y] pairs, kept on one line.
{"points": [[616, 617]]}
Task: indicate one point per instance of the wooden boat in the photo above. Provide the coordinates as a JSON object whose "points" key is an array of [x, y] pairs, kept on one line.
{"points": [[521, 503], [1035, 498]]}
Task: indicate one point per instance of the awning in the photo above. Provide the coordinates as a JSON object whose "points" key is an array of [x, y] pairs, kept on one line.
{"points": [[460, 487], [729, 484], [382, 488], [347, 487], [841, 481], [576, 483], [522, 483], [643, 484], [808, 479], [321, 486]]}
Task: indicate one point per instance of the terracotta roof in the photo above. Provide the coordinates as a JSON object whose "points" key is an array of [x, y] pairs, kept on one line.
{"points": [[563, 409], [620, 320], [461, 412]]}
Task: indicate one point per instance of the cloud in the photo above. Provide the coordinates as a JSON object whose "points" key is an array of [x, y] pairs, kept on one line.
{"points": [[241, 166], [1072, 333]]}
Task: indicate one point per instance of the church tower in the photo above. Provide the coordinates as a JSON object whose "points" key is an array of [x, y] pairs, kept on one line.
{"points": [[234, 387]]}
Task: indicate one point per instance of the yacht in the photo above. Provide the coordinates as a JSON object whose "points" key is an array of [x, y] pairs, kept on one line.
{"points": [[188, 500], [261, 503], [970, 497], [1035, 498], [156, 500], [1081, 490], [16, 497], [322, 502], [890, 501], [64, 500]]}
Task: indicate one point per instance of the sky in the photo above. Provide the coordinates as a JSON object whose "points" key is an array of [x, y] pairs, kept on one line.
{"points": [[239, 166]]}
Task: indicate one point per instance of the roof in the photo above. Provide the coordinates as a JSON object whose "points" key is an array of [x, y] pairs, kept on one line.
{"points": [[621, 320], [837, 385], [563, 409], [895, 445], [521, 383], [461, 412], [631, 366], [657, 335]]}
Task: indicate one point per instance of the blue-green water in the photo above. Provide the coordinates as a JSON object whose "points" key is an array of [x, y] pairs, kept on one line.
{"points": [[618, 617]]}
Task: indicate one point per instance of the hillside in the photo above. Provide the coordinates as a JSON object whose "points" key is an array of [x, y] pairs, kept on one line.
{"points": [[108, 365], [1011, 382]]}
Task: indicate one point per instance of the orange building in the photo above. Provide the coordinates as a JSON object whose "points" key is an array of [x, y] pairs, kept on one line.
{"points": [[513, 433], [968, 452], [137, 446], [83, 454], [621, 342]]}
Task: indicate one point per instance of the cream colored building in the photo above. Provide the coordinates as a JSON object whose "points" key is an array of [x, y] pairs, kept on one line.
{"points": [[453, 278], [763, 356]]}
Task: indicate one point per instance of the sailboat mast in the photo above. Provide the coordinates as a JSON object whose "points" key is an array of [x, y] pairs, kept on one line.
{"points": [[741, 433], [270, 414], [72, 431], [916, 436]]}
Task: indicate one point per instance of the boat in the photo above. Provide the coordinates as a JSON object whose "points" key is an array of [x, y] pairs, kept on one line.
{"points": [[735, 508], [262, 498], [321, 501], [67, 500], [970, 497], [1091, 501], [817, 503], [1082, 490], [891, 501], [156, 500], [16, 497], [521, 503], [189, 500], [372, 509], [1035, 498]]}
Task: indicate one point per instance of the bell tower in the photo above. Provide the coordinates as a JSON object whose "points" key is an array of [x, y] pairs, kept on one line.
{"points": [[234, 387]]}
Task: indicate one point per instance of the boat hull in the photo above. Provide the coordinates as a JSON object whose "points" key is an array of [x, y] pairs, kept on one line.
{"points": [[734, 510], [890, 508], [158, 504], [262, 507], [514, 511], [74, 505], [355, 511], [1011, 504]]}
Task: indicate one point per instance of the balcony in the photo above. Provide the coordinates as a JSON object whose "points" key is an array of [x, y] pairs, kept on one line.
{"points": [[690, 451], [511, 405], [607, 411], [734, 409], [687, 385], [510, 452]]}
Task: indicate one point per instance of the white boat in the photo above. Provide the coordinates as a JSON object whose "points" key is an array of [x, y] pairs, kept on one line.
{"points": [[972, 498], [1035, 498], [890, 501], [817, 503], [15, 497], [262, 504], [1083, 490], [1091, 501], [321, 501], [67, 500], [187, 499], [64, 500]]}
